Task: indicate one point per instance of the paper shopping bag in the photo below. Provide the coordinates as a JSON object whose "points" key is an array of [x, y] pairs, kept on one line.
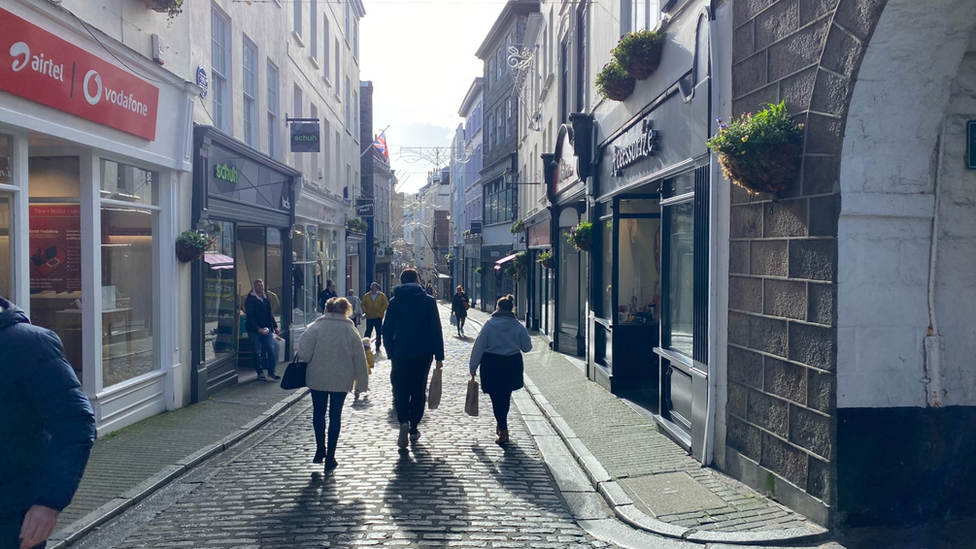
{"points": [[434, 393], [471, 399]]}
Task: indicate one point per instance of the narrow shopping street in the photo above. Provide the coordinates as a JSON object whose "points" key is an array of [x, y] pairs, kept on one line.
{"points": [[454, 487]]}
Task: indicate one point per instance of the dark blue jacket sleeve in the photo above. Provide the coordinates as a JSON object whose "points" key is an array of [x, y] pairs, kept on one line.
{"points": [[68, 421], [389, 327]]}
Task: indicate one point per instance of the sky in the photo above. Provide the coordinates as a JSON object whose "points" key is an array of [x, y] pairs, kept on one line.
{"points": [[420, 56]]}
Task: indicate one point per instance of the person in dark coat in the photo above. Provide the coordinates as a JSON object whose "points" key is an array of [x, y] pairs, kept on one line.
{"points": [[261, 330], [498, 350], [413, 338], [47, 430], [328, 293], [459, 306]]}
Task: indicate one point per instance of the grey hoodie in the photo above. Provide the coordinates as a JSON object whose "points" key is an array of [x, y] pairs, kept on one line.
{"points": [[504, 335]]}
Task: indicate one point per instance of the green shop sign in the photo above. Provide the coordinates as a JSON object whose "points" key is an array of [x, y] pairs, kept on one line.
{"points": [[226, 173]]}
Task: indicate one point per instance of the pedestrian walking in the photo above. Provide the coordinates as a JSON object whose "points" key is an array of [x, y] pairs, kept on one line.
{"points": [[261, 330], [374, 306], [498, 350], [334, 352], [356, 304], [413, 340], [459, 306], [328, 293], [47, 430], [430, 289]]}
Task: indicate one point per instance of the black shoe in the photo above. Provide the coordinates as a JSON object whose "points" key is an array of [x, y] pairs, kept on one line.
{"points": [[331, 464], [414, 434], [319, 455], [262, 378], [274, 376]]}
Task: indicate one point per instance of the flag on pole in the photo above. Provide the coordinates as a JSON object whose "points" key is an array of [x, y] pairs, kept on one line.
{"points": [[380, 145]]}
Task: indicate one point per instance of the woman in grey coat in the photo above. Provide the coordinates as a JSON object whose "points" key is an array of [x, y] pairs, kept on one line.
{"points": [[334, 352], [498, 350]]}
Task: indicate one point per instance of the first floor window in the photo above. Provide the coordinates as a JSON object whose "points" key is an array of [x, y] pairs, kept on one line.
{"points": [[250, 92]]}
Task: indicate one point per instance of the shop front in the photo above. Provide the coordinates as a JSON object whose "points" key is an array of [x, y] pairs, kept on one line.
{"points": [[650, 298], [317, 240], [497, 279], [244, 202], [89, 194], [567, 193], [472, 268], [539, 281]]}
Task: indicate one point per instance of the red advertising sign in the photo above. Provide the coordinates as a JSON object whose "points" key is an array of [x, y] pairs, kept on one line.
{"points": [[41, 67]]}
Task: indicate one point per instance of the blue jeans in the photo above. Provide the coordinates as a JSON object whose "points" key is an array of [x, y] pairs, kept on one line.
{"points": [[265, 351]]}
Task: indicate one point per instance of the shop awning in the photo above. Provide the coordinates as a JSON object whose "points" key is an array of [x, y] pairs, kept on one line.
{"points": [[504, 260], [442, 275], [218, 261]]}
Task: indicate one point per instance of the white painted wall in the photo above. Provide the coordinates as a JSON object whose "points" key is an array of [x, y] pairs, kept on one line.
{"points": [[888, 169]]}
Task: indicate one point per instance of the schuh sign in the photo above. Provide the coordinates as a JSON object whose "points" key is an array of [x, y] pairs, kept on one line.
{"points": [[305, 137]]}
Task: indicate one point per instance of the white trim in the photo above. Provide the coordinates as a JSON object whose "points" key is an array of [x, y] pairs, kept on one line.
{"points": [[20, 242], [91, 274], [130, 205]]}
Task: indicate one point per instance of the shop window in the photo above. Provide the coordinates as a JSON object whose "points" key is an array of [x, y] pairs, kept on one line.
{"points": [[6, 271], [127, 183], [639, 270], [606, 270], [681, 223], [220, 323], [250, 67], [55, 251], [128, 282]]}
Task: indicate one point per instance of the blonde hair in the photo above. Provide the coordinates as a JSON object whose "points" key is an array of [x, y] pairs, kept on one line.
{"points": [[506, 303], [337, 305], [459, 289]]}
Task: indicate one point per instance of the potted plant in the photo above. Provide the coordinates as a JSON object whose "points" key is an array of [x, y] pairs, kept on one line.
{"points": [[639, 53], [517, 226], [760, 152], [613, 82], [191, 245], [170, 7], [581, 236], [389, 251], [545, 259], [356, 225]]}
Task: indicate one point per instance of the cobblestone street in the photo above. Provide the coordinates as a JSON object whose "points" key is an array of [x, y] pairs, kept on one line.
{"points": [[455, 487]]}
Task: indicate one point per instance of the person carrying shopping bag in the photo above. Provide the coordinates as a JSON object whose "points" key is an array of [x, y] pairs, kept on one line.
{"points": [[498, 350], [459, 306], [334, 352]]}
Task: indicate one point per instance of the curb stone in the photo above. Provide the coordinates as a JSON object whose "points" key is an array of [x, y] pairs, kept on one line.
{"points": [[623, 506], [74, 532]]}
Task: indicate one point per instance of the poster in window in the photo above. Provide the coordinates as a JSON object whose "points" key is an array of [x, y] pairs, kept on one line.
{"points": [[55, 248]]}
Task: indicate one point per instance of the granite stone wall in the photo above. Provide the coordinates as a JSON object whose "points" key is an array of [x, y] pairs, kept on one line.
{"points": [[782, 420]]}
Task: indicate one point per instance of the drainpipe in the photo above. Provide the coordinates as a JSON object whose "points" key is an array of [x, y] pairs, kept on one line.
{"points": [[934, 342]]}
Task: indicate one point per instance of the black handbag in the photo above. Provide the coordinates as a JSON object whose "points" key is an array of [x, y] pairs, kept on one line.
{"points": [[294, 377]]}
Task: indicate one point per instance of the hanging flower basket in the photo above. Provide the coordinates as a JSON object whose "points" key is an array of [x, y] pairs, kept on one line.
{"points": [[614, 83], [760, 153], [545, 259], [517, 226], [169, 7], [191, 245], [581, 236], [639, 53]]}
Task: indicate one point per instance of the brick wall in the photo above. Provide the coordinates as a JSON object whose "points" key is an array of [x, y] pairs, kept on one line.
{"points": [[783, 250]]}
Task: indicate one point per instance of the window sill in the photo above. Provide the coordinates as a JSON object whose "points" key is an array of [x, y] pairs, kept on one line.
{"points": [[298, 38], [327, 81], [314, 62]]}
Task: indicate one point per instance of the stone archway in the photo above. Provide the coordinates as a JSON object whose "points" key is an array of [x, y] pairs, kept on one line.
{"points": [[904, 130]]}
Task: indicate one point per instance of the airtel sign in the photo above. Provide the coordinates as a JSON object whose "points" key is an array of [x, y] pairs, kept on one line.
{"points": [[41, 67]]}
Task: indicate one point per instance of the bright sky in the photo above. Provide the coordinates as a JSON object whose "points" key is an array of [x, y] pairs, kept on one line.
{"points": [[420, 56]]}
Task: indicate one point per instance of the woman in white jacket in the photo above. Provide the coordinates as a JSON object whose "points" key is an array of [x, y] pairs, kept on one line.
{"points": [[498, 350], [334, 352]]}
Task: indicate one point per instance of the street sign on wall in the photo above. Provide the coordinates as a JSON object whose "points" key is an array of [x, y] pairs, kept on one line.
{"points": [[364, 207], [971, 144]]}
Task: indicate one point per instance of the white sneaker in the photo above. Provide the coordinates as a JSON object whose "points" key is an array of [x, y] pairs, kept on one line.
{"points": [[402, 438]]}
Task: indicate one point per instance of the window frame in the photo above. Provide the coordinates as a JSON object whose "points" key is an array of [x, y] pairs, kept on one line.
{"points": [[249, 65], [274, 99], [220, 73]]}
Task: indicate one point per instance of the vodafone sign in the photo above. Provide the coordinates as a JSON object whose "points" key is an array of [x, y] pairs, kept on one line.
{"points": [[41, 67]]}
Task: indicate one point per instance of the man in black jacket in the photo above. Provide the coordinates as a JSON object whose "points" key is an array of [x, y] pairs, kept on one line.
{"points": [[413, 338], [47, 430], [261, 330]]}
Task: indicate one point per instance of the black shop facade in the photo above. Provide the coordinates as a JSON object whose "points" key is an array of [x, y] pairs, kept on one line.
{"points": [[244, 202], [649, 301]]}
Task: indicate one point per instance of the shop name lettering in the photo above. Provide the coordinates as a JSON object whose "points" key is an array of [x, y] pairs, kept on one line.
{"points": [[225, 173], [640, 148], [300, 137], [91, 86]]}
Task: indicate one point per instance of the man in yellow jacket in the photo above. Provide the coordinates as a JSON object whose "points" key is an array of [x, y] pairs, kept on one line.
{"points": [[374, 306]]}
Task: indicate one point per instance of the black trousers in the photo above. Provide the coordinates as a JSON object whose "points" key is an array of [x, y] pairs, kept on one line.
{"points": [[501, 402], [409, 380], [333, 401], [378, 323]]}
